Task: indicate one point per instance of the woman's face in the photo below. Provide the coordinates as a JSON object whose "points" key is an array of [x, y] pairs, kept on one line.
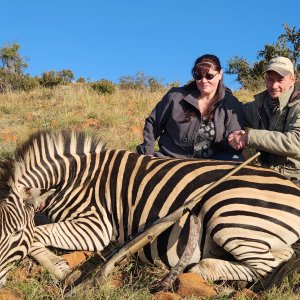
{"points": [[207, 83]]}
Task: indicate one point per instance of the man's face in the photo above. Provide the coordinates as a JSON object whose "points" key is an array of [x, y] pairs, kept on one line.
{"points": [[277, 84]]}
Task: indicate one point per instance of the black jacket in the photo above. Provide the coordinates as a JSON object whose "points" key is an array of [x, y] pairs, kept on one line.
{"points": [[175, 120]]}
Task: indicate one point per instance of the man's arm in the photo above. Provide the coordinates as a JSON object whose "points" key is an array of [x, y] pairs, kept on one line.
{"points": [[281, 143]]}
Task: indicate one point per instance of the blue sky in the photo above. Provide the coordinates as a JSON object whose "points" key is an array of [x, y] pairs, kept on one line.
{"points": [[161, 38]]}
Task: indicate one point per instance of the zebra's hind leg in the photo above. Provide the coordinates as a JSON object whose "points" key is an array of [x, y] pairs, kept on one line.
{"points": [[213, 269], [254, 267]]}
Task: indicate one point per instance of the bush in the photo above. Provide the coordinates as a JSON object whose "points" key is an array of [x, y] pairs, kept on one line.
{"points": [[14, 82], [140, 82], [103, 86], [30, 83], [51, 79], [155, 85], [80, 80], [173, 84]]}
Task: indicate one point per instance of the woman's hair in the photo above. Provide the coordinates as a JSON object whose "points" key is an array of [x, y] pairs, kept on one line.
{"points": [[202, 65]]}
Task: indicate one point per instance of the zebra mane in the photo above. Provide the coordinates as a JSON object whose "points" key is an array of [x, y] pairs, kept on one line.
{"points": [[63, 141]]}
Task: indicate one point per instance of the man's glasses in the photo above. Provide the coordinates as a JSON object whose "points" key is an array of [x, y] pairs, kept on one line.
{"points": [[207, 76]]}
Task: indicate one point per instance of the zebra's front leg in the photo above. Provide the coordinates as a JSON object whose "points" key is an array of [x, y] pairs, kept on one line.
{"points": [[80, 234], [53, 263]]}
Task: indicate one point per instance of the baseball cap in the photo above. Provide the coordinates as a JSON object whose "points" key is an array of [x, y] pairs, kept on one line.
{"points": [[281, 65]]}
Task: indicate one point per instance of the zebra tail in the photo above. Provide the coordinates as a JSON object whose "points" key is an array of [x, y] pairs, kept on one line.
{"points": [[285, 270]]}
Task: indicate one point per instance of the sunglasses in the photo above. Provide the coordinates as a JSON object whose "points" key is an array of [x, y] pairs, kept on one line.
{"points": [[207, 76]]}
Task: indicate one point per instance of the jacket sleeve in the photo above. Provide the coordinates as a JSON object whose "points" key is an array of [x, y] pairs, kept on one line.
{"points": [[251, 114], [155, 124], [281, 143], [236, 120]]}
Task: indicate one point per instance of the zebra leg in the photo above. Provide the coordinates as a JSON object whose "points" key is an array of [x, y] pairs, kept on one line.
{"points": [[250, 266], [53, 263], [69, 235], [259, 258], [218, 270]]}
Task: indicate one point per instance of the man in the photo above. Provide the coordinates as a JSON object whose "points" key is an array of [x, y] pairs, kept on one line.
{"points": [[273, 119]]}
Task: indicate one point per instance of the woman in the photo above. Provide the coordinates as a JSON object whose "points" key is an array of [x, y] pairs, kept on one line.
{"points": [[195, 120]]}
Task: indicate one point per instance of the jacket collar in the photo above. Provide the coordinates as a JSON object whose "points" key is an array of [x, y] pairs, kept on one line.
{"points": [[193, 96]]}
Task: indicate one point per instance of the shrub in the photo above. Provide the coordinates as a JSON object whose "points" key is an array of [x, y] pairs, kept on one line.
{"points": [[14, 82], [80, 80], [30, 83], [103, 86], [51, 79], [173, 84], [140, 82], [155, 85]]}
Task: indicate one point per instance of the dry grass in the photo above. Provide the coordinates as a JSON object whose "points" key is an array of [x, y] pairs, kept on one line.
{"points": [[117, 118]]}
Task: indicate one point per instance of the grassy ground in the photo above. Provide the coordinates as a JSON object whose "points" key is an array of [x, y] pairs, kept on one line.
{"points": [[118, 119]]}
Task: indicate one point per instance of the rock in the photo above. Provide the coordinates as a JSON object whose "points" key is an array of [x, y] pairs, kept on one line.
{"points": [[76, 258], [191, 284]]}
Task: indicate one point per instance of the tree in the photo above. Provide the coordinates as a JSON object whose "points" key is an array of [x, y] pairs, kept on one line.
{"points": [[252, 76], [11, 60]]}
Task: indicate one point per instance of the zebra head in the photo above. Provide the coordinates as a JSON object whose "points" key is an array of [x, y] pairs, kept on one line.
{"points": [[17, 225]]}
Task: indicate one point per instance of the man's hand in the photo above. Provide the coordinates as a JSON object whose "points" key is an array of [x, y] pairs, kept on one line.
{"points": [[238, 139]]}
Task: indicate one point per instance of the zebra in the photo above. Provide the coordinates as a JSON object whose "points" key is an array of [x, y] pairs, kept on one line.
{"points": [[95, 196]]}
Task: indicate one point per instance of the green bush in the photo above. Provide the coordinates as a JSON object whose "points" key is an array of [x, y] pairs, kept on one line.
{"points": [[80, 80], [155, 85], [51, 79], [14, 82], [103, 86], [140, 82], [30, 83]]}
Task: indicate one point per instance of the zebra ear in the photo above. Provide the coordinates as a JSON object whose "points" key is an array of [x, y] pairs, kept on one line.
{"points": [[35, 196]]}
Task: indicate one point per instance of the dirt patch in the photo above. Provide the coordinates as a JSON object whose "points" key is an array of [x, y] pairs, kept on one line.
{"points": [[191, 284], [75, 258], [14, 294], [165, 296]]}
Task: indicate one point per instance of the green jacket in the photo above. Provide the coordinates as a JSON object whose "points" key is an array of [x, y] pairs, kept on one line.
{"points": [[276, 134]]}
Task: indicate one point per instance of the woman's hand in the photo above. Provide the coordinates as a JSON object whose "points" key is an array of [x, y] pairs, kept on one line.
{"points": [[238, 139]]}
